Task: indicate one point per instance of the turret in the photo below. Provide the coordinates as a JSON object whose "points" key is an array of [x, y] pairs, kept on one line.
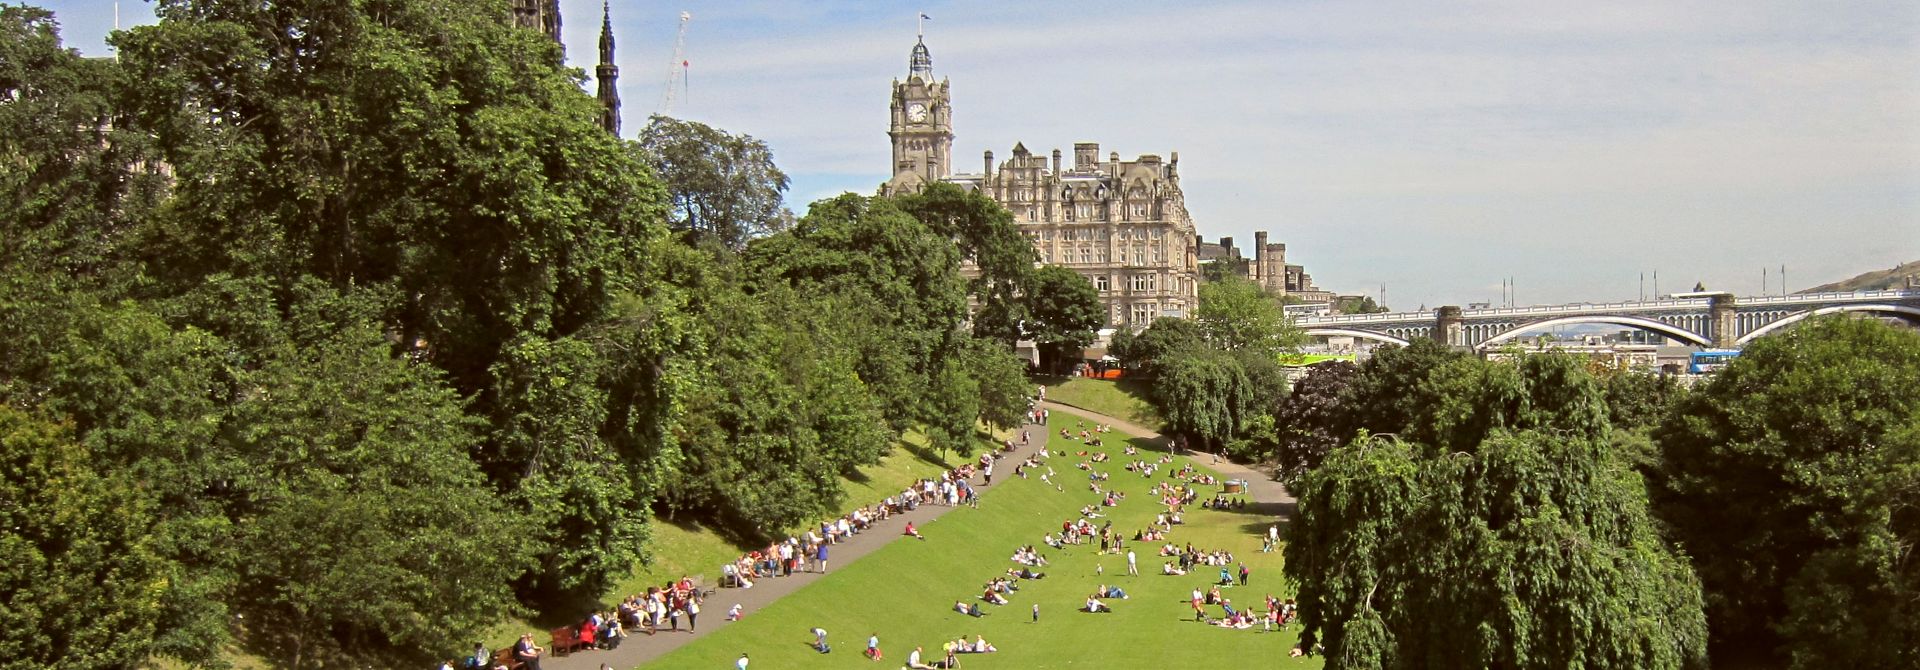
{"points": [[608, 74]]}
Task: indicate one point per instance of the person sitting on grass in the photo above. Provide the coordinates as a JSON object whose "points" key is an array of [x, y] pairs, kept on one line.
{"points": [[969, 609], [913, 660], [1094, 606], [912, 531], [1226, 578], [993, 597], [1111, 592], [980, 645]]}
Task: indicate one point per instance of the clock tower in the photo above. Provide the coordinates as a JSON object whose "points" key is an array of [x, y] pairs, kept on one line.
{"points": [[922, 125]]}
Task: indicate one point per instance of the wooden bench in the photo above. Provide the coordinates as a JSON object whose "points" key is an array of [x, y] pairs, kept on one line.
{"points": [[504, 658], [565, 640]]}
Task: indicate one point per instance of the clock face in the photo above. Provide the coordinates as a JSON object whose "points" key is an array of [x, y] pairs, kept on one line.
{"points": [[916, 112]]}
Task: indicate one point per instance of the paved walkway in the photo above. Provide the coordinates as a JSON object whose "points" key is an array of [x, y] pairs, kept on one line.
{"points": [[641, 648]]}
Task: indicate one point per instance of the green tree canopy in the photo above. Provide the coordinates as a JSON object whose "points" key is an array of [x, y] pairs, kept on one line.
{"points": [[723, 187], [1165, 336], [1063, 314], [1532, 551], [987, 236], [81, 565], [1236, 313], [1793, 476]]}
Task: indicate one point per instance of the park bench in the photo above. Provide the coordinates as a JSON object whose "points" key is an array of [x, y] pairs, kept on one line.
{"points": [[504, 658], [565, 640]]}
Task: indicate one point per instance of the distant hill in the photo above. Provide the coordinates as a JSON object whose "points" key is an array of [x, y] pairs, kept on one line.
{"points": [[1872, 281]]}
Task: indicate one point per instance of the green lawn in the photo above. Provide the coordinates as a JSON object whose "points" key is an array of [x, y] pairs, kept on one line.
{"points": [[904, 592], [1124, 398]]}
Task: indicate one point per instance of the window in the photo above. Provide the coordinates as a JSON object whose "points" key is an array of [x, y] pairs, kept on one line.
{"points": [[1126, 234], [1159, 256], [1143, 314], [1139, 210], [1102, 283], [1144, 283], [1101, 254], [1139, 256], [1046, 255], [1084, 211], [1086, 255], [1046, 234], [1159, 233]]}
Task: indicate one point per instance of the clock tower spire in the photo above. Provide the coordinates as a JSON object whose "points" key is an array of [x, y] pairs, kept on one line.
{"points": [[921, 125]]}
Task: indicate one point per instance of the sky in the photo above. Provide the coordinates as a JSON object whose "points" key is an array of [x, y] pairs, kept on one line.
{"points": [[1432, 149]]}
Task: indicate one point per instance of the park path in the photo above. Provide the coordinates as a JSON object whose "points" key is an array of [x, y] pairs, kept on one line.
{"points": [[640, 648], [1261, 487]]}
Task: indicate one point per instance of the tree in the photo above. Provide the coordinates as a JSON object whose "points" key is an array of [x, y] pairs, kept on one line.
{"points": [[1204, 395], [1311, 419], [1004, 389], [1531, 551], [1792, 478], [360, 505], [1224, 269], [1236, 313], [1392, 387], [73, 172], [1063, 312], [892, 275], [81, 575], [1165, 336], [987, 236], [723, 187]]}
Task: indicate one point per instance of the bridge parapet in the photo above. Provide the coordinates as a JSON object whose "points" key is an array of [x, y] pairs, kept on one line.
{"points": [[1720, 320]]}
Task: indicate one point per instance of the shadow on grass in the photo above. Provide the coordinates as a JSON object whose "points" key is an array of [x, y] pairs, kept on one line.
{"points": [[1260, 527]]}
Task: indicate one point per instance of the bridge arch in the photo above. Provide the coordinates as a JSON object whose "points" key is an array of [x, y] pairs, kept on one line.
{"points": [[1362, 334], [1650, 325], [1909, 313]]}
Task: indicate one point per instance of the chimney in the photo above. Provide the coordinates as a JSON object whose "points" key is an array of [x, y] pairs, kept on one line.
{"points": [[989, 168], [1085, 155], [1226, 245], [1056, 162], [1259, 272]]}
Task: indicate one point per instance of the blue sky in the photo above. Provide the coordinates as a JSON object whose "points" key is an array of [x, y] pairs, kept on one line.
{"points": [[1432, 147]]}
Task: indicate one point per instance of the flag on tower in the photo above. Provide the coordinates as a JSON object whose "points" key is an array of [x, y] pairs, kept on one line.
{"points": [[923, 16]]}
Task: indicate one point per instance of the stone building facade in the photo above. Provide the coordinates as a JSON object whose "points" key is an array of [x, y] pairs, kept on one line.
{"points": [[1121, 224], [1268, 267]]}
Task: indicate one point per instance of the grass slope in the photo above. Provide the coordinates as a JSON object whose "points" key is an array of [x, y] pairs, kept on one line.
{"points": [[691, 549], [1125, 399], [904, 592]]}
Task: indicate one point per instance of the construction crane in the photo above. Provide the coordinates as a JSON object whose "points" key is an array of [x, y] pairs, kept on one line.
{"points": [[677, 68]]}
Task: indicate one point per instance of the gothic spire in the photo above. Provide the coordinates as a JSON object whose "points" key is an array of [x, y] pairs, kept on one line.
{"points": [[607, 73]]}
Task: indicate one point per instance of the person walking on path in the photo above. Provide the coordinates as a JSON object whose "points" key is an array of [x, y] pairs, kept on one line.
{"points": [[820, 559], [693, 611]]}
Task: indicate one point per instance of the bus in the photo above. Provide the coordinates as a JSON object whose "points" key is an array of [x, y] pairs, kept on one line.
{"points": [[1711, 360]]}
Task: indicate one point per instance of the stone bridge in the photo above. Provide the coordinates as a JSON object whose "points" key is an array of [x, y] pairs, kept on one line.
{"points": [[1707, 319]]}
